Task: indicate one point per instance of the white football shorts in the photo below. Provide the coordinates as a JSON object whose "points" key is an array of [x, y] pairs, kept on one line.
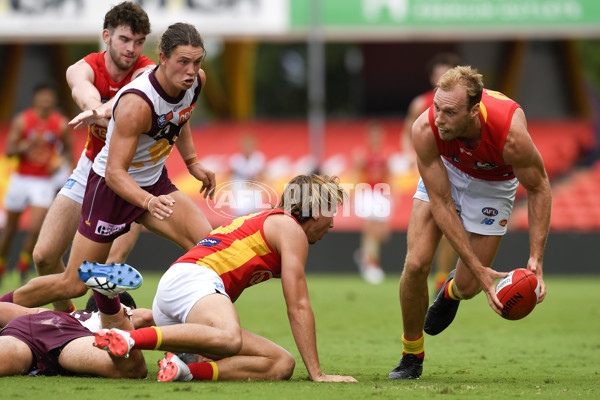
{"points": [[484, 207], [180, 288], [74, 187], [24, 190], [60, 177]]}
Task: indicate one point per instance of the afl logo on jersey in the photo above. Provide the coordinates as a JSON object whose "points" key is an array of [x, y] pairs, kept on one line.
{"points": [[163, 119], [489, 211], [260, 276]]}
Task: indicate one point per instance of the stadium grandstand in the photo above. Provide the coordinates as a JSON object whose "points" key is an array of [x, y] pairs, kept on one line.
{"points": [[306, 82]]}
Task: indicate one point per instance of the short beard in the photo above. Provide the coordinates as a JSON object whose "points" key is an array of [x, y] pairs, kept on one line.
{"points": [[116, 60]]}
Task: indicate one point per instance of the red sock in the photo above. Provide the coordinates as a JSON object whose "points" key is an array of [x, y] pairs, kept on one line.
{"points": [[146, 338], [204, 371], [446, 288]]}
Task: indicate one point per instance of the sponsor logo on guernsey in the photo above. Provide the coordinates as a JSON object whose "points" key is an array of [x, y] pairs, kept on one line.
{"points": [[185, 114], [489, 211], [466, 151], [104, 228], [485, 165], [209, 242]]}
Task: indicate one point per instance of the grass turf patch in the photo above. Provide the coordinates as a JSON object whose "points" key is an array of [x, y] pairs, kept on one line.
{"points": [[552, 353]]}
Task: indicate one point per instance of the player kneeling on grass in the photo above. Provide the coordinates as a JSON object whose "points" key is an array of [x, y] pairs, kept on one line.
{"points": [[193, 306], [37, 341]]}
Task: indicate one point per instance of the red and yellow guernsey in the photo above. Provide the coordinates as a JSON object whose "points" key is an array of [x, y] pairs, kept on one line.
{"points": [[107, 89], [485, 162], [239, 253]]}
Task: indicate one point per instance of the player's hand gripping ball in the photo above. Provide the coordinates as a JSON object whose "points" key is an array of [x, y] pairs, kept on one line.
{"points": [[518, 293]]}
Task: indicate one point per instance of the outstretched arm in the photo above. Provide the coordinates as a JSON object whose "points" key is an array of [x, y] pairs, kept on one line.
{"points": [[290, 241], [528, 166], [80, 78]]}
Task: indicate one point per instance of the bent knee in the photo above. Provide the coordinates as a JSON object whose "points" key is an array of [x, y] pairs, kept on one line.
{"points": [[467, 292], [230, 344], [283, 369], [417, 267], [139, 370], [46, 261]]}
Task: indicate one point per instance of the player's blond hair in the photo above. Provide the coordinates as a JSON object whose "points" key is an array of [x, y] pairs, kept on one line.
{"points": [[467, 77], [308, 195]]}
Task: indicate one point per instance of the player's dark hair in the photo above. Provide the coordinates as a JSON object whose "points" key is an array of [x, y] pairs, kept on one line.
{"points": [[125, 298], [180, 34], [128, 14]]}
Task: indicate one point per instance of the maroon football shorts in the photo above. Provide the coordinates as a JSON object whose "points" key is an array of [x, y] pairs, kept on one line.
{"points": [[106, 216], [46, 334]]}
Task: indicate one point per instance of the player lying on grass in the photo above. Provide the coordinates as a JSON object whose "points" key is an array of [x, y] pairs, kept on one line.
{"points": [[193, 306], [39, 341]]}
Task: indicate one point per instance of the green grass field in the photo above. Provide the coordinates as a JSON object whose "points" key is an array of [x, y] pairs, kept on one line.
{"points": [[553, 353]]}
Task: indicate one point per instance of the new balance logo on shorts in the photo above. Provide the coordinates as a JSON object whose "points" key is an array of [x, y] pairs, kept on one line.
{"points": [[219, 287], [69, 183], [106, 229]]}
